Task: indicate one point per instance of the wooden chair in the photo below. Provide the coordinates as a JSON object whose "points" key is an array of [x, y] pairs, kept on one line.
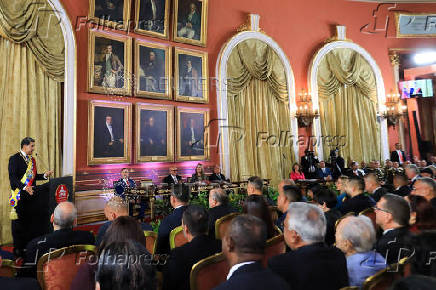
{"points": [[57, 269], [274, 246], [384, 279], [223, 223], [177, 238], [8, 268], [370, 212], [209, 272], [150, 241]]}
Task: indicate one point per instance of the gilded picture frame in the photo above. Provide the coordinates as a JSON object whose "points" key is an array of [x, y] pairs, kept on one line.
{"points": [[152, 70], [187, 16], [109, 132], [152, 22], [154, 133], [191, 76], [419, 19], [108, 14], [192, 137], [109, 63]]}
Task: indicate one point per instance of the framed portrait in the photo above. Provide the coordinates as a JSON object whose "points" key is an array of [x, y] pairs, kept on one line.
{"points": [[152, 70], [190, 21], [110, 13], [154, 132], [191, 76], [192, 134], [152, 17], [109, 132], [109, 63]]}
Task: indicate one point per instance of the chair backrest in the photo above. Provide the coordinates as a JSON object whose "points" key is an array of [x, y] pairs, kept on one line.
{"points": [[275, 212], [223, 223], [150, 241], [384, 279], [177, 238], [209, 272], [57, 269], [370, 212], [274, 246], [8, 268]]}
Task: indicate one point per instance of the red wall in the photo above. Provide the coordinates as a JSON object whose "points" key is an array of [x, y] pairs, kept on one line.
{"points": [[300, 27]]}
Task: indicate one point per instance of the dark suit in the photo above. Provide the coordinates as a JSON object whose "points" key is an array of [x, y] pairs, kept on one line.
{"points": [[32, 210], [158, 147], [168, 224], [102, 231], [253, 277], [102, 138], [55, 240], [19, 283], [376, 195], [146, 12], [169, 179], [357, 204], [331, 217], [218, 178], [196, 148], [321, 175], [412, 182], [216, 213], [280, 222], [393, 246], [403, 190], [396, 158], [121, 186], [178, 268], [315, 266]]}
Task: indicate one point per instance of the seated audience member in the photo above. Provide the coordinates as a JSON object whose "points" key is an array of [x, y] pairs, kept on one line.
{"points": [[199, 246], [401, 185], [172, 178], [423, 262], [326, 200], [217, 176], [198, 176], [218, 207], [393, 215], [323, 172], [412, 172], [433, 169], [426, 187], [256, 205], [64, 218], [355, 236], [422, 214], [311, 264], [244, 247], [311, 190], [179, 201], [114, 208], [355, 170], [415, 282], [433, 160], [255, 187], [122, 229], [340, 187], [124, 265], [358, 200], [427, 172], [423, 164], [296, 173], [288, 193], [373, 187]]}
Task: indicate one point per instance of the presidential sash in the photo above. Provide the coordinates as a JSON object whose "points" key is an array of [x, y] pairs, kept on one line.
{"points": [[27, 180]]}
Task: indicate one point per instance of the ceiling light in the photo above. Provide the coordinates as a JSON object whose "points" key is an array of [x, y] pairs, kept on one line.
{"points": [[425, 57]]}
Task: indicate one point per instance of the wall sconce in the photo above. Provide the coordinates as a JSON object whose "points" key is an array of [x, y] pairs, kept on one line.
{"points": [[393, 110], [305, 112]]}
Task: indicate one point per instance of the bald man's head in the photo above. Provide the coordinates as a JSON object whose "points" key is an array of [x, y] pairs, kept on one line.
{"points": [[64, 215], [116, 207]]}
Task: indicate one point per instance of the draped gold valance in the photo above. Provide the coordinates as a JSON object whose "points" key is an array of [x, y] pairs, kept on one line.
{"points": [[34, 24], [254, 59]]}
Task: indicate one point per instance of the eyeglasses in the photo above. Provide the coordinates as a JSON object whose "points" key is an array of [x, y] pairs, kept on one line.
{"points": [[380, 209]]}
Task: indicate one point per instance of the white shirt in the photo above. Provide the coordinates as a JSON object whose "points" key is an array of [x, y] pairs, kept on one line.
{"points": [[109, 127], [192, 135], [153, 9], [236, 267]]}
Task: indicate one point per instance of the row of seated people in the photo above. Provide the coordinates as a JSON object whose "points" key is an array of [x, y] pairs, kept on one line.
{"points": [[197, 177]]}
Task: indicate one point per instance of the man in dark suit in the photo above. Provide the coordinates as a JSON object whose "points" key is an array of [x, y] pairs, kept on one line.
{"points": [[288, 193], [358, 200], [64, 218], [151, 15], [219, 207], [426, 187], [199, 246], [108, 139], [109, 9], [354, 170], [153, 141], [179, 201], [217, 176], [191, 25], [398, 155], [323, 172], [412, 172], [172, 178], [192, 139], [392, 215], [401, 185], [373, 187], [30, 215], [123, 183], [311, 264], [244, 247]]}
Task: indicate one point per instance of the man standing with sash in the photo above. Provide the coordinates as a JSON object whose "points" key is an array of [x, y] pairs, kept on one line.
{"points": [[25, 211]]}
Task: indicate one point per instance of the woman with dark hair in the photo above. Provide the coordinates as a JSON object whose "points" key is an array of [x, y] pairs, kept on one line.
{"points": [[198, 175], [296, 173], [124, 265], [256, 205], [422, 215], [122, 229]]}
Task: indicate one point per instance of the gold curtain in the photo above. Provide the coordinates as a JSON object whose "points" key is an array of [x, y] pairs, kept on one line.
{"points": [[34, 24], [257, 99], [30, 107], [348, 100]]}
